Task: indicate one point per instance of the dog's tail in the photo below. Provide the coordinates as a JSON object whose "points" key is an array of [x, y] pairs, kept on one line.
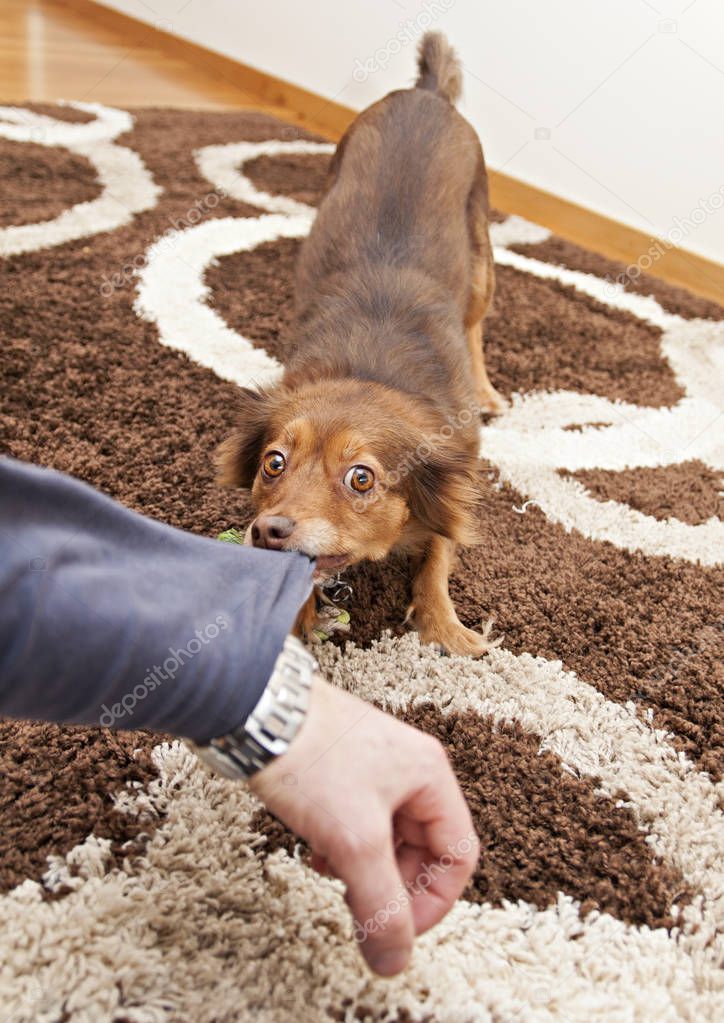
{"points": [[439, 70]]}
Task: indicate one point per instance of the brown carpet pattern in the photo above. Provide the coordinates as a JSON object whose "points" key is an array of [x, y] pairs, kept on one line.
{"points": [[590, 746]]}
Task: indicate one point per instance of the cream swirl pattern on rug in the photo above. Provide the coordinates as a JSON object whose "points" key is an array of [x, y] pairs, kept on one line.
{"points": [[128, 188]]}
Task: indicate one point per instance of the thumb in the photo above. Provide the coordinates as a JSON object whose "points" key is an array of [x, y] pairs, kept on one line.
{"points": [[380, 904]]}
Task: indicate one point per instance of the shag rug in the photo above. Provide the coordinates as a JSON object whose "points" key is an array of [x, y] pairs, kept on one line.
{"points": [[146, 263]]}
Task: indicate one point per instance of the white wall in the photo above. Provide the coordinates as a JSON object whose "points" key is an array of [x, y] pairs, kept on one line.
{"points": [[617, 105]]}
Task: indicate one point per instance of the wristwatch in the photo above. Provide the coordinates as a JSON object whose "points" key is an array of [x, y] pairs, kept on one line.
{"points": [[273, 722]]}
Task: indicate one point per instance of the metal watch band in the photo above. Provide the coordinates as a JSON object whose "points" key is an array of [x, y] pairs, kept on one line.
{"points": [[274, 721]]}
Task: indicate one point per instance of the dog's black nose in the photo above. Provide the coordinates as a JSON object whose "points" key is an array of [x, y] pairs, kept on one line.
{"points": [[271, 531]]}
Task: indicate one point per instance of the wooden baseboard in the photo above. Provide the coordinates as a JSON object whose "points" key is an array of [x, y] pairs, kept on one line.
{"points": [[330, 119], [608, 237]]}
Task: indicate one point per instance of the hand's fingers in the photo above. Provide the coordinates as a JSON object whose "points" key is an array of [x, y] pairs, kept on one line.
{"points": [[409, 831], [449, 873], [432, 885], [413, 862], [452, 845], [319, 863], [440, 807], [377, 898]]}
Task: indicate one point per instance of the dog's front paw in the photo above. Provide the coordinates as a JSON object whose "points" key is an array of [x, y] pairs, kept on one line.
{"points": [[491, 402], [450, 635]]}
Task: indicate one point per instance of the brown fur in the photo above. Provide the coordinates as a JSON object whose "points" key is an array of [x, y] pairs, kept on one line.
{"points": [[392, 285]]}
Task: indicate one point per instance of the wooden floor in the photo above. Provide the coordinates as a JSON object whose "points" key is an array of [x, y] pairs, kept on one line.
{"points": [[79, 50], [50, 49]]}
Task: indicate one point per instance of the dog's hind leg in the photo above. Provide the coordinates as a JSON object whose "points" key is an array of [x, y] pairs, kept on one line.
{"points": [[482, 285], [488, 399]]}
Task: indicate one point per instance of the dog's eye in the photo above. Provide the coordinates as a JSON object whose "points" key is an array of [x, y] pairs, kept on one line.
{"points": [[360, 479], [274, 464]]}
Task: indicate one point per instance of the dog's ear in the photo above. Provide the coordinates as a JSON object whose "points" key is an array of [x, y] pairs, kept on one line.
{"points": [[237, 458], [443, 494]]}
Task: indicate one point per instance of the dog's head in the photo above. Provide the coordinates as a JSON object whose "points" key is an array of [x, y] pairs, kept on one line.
{"points": [[345, 470]]}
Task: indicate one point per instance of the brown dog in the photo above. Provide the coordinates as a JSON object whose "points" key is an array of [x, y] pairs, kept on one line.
{"points": [[371, 440]]}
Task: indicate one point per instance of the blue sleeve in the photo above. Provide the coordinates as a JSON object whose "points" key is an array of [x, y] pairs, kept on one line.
{"points": [[109, 618]]}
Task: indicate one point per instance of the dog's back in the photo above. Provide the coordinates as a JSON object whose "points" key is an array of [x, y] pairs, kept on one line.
{"points": [[385, 277], [399, 187]]}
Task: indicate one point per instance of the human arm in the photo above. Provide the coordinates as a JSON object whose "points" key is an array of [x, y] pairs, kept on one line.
{"points": [[108, 617]]}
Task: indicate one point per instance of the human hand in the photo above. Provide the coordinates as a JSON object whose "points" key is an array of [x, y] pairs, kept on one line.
{"points": [[379, 805]]}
